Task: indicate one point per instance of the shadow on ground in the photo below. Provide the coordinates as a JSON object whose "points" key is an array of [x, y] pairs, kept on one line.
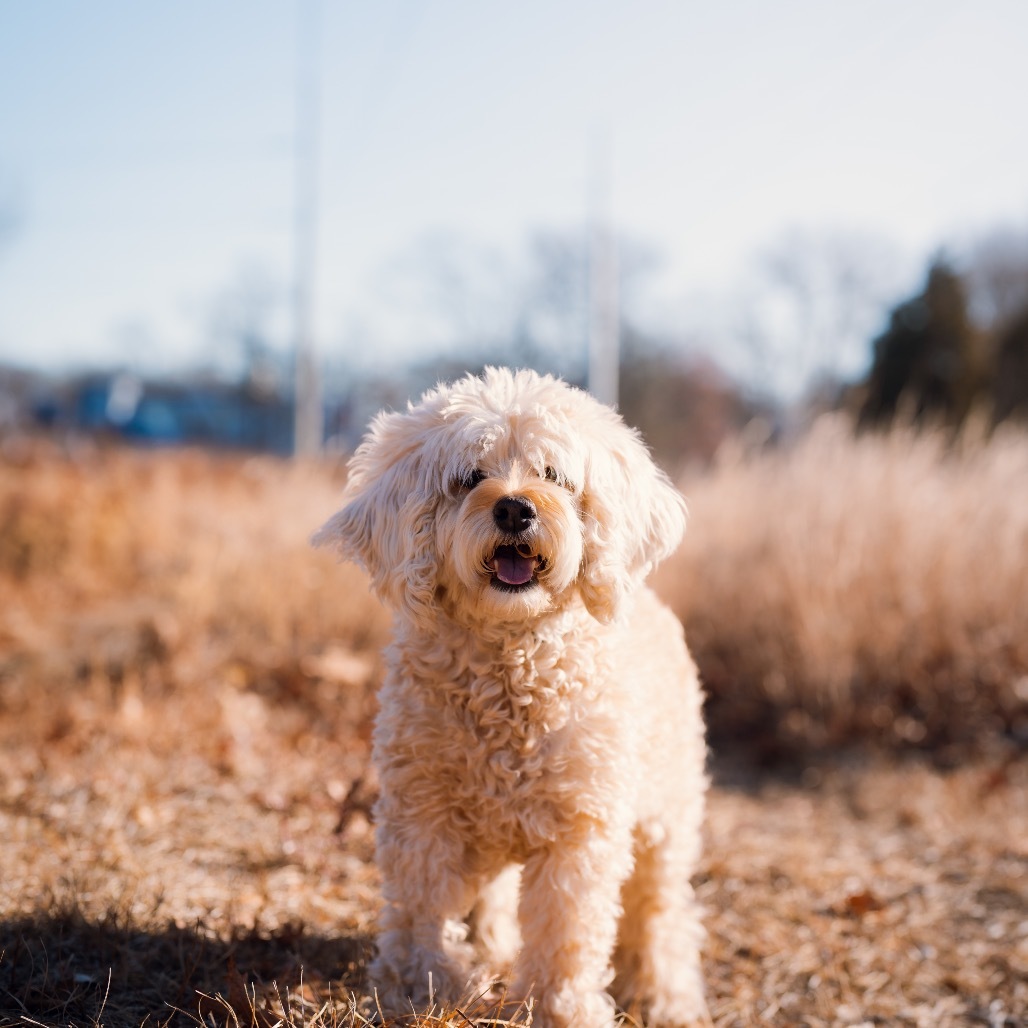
{"points": [[63, 969]]}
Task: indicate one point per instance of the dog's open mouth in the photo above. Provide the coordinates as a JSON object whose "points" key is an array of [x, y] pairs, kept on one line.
{"points": [[514, 567]]}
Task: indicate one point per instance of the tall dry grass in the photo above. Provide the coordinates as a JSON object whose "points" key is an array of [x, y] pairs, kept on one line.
{"points": [[869, 588], [220, 540], [842, 589], [172, 601]]}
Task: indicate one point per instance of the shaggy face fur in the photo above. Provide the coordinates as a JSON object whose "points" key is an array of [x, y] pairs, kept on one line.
{"points": [[539, 742]]}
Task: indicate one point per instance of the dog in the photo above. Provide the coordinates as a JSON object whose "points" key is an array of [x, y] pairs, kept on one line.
{"points": [[539, 741]]}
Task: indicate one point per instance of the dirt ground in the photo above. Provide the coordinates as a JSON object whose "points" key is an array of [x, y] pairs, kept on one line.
{"points": [[161, 888]]}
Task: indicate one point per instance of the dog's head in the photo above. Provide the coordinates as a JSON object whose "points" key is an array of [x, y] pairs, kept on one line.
{"points": [[499, 498]]}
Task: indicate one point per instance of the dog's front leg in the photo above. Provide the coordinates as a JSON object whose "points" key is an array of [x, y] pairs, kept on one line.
{"points": [[423, 957], [570, 905]]}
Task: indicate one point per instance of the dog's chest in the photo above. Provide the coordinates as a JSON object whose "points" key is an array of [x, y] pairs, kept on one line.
{"points": [[524, 723], [514, 707], [508, 730]]}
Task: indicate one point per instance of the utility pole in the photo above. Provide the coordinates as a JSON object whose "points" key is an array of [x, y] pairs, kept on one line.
{"points": [[604, 301], [308, 424]]}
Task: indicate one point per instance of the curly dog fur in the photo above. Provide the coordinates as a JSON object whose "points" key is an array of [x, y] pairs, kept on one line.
{"points": [[539, 742]]}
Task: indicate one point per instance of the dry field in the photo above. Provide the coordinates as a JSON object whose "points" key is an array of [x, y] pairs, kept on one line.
{"points": [[186, 691]]}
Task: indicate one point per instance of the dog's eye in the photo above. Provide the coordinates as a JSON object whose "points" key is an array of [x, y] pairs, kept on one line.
{"points": [[471, 479], [552, 475]]}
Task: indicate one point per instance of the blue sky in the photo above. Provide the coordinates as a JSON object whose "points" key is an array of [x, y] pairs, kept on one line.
{"points": [[146, 149]]}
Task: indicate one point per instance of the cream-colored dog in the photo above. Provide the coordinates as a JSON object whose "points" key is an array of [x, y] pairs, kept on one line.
{"points": [[540, 712]]}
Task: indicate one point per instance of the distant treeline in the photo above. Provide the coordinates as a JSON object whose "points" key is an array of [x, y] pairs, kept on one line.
{"points": [[933, 362], [937, 360]]}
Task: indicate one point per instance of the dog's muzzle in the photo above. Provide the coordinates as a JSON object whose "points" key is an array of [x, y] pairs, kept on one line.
{"points": [[515, 564]]}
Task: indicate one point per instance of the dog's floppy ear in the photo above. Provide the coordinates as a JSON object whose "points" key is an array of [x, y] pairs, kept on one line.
{"points": [[633, 516], [386, 523]]}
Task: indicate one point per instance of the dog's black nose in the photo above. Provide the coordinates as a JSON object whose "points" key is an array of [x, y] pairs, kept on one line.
{"points": [[513, 514]]}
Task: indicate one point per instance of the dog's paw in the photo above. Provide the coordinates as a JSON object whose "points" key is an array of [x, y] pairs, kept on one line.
{"points": [[674, 1008], [567, 1007]]}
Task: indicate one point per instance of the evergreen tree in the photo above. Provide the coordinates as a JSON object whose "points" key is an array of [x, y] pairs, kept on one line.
{"points": [[1010, 376], [925, 360]]}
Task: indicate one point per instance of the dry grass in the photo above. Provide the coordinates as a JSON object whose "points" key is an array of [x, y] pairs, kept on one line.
{"points": [[868, 590], [186, 691]]}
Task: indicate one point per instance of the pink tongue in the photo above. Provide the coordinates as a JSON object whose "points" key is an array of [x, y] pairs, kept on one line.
{"points": [[512, 568]]}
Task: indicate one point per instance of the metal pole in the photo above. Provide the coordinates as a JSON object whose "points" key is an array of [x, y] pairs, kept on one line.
{"points": [[308, 416], [604, 310]]}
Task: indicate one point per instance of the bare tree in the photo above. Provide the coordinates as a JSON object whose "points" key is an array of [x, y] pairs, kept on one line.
{"points": [[465, 301], [997, 278], [241, 324], [813, 303]]}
